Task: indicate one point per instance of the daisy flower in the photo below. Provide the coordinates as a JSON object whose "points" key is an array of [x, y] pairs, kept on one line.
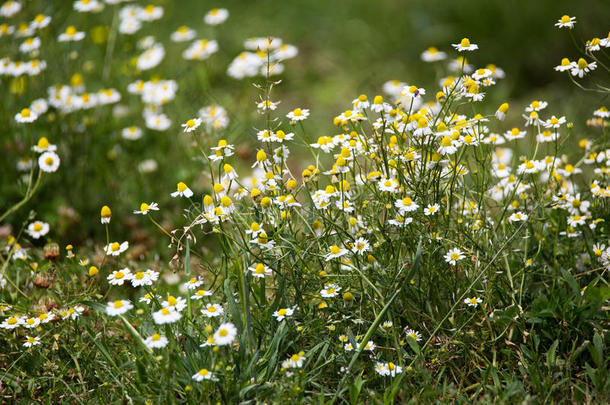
{"points": [[145, 208], [141, 278], [518, 217], [433, 55], [199, 294], [465, 45], [182, 190], [298, 114], [413, 334], [105, 214], [29, 323], [71, 34], [203, 374], [131, 133], [48, 162], [37, 229], [212, 310], [43, 145], [183, 33], [431, 209], [216, 16], [118, 307], [447, 146], [472, 302], [225, 334], [335, 251], [26, 116], [583, 67], [174, 303], [31, 341], [192, 124], [360, 246], [166, 315], [453, 256], [602, 112], [294, 361], [260, 270], [330, 290], [282, 313], [118, 277], [406, 205], [566, 22], [565, 65], [116, 248], [156, 341], [10, 323], [576, 220]]}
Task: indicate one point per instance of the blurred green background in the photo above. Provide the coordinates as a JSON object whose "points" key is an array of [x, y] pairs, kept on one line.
{"points": [[345, 48]]}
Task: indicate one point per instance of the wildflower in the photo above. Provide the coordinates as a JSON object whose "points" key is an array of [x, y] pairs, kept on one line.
{"points": [[145, 208], [602, 112], [71, 34], [48, 162], [147, 298], [260, 270], [582, 67], [131, 133], [105, 215], [37, 229], [118, 277], [335, 251], [172, 302], [29, 323], [330, 290], [282, 313], [72, 312], [501, 112], [182, 190], [298, 114], [360, 246], [10, 323], [141, 278], [116, 248], [294, 361], [565, 64], [85, 6], [566, 22], [225, 334], [212, 310], [453, 256], [31, 341], [191, 124], [156, 341], [518, 217], [118, 307], [389, 185], [576, 220], [183, 33], [472, 302], [193, 283], [166, 315], [216, 16], [465, 45], [405, 205], [433, 55], [388, 369], [203, 374], [26, 116], [413, 334], [199, 294], [431, 209]]}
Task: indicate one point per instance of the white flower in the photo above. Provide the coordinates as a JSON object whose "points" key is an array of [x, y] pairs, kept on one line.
{"points": [[10, 323], [48, 162], [298, 114], [156, 341], [413, 334], [199, 294], [118, 307], [566, 22], [203, 374], [118, 277], [29, 323], [433, 55], [465, 45], [335, 251], [294, 361], [146, 208], [431, 209], [141, 278], [453, 256], [37, 229], [225, 334], [182, 190], [216, 16], [260, 270], [192, 124], [212, 310], [282, 313], [405, 205], [472, 302], [116, 248], [166, 315], [518, 217], [31, 341], [131, 133], [330, 290]]}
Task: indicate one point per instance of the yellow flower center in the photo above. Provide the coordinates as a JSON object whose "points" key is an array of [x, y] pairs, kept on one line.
{"points": [[223, 332], [172, 301], [118, 304], [455, 256], [465, 43], [446, 141], [156, 337], [565, 19], [335, 249], [582, 64], [119, 275], [144, 207], [165, 311], [71, 30], [37, 227], [282, 312], [139, 275], [295, 357], [211, 308], [203, 372], [25, 112], [114, 247]]}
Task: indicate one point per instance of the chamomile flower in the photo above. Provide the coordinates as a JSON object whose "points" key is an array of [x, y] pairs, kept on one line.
{"points": [[71, 34], [225, 334], [11, 322], [118, 277], [602, 112], [26, 116], [465, 45], [131, 133], [433, 55], [212, 310], [565, 65], [105, 214], [182, 34], [166, 315], [330, 290], [259, 270], [48, 162], [335, 252], [576, 220], [431, 209], [388, 369], [191, 124], [141, 278], [216, 16], [294, 361], [203, 374], [360, 246], [118, 307], [583, 67], [29, 323], [282, 313], [472, 302], [146, 208], [182, 190], [116, 248], [37, 229], [566, 22], [31, 341], [413, 334], [453, 256], [193, 283], [518, 217], [156, 341], [298, 114]]}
